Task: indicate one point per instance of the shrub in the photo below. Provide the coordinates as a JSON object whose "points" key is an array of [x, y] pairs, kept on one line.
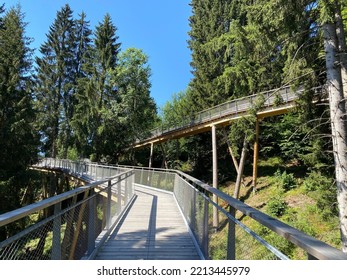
{"points": [[286, 181], [276, 206], [323, 190]]}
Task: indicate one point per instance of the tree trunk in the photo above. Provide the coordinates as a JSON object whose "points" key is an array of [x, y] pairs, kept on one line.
{"points": [[342, 48], [236, 165], [240, 170], [338, 126]]}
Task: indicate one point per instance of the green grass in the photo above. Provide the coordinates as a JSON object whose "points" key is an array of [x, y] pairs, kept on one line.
{"points": [[304, 205]]}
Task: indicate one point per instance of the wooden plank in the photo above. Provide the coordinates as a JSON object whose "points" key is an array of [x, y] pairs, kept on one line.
{"points": [[153, 229]]}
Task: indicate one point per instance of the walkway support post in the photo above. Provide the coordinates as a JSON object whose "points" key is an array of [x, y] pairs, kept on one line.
{"points": [[215, 175], [151, 156], [256, 155]]}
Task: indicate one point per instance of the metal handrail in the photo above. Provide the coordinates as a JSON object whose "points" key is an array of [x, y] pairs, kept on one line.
{"points": [[75, 210], [193, 197], [233, 107], [19, 213], [315, 248]]}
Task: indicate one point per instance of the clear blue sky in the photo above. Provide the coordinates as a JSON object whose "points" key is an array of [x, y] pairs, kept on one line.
{"points": [[158, 27]]}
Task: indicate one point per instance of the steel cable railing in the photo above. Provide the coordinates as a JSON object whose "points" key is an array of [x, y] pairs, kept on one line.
{"points": [[276, 98], [233, 239], [243, 232], [72, 225]]}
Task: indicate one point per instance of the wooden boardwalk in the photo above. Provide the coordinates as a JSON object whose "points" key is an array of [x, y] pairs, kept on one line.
{"points": [[153, 229]]}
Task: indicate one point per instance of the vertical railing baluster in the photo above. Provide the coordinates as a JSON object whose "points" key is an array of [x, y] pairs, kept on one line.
{"points": [[126, 190], [119, 197], [108, 206], [91, 222], [231, 250], [205, 238], [56, 247]]}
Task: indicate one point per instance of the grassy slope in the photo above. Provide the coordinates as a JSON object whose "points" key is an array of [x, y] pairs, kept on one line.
{"points": [[302, 208]]}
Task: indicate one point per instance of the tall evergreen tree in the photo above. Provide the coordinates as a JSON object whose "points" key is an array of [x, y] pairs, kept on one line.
{"points": [[97, 97], [55, 81], [18, 140], [82, 73], [210, 20]]}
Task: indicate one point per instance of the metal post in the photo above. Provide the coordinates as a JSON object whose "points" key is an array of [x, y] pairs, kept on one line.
{"points": [[126, 190], [215, 175], [56, 248], [119, 197], [205, 237], [141, 178], [231, 252], [256, 155], [91, 224], [108, 206]]}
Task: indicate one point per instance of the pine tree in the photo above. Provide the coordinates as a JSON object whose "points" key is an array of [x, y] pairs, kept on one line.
{"points": [[55, 83]]}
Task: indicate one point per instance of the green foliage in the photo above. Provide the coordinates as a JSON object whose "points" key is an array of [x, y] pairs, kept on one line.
{"points": [[55, 82], [344, 14], [285, 180], [132, 78], [210, 19], [276, 206], [323, 189]]}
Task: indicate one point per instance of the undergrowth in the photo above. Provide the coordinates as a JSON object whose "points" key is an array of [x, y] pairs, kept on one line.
{"points": [[306, 202]]}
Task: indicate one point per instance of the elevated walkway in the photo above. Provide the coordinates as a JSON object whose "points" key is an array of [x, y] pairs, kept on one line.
{"points": [[136, 213], [153, 229], [270, 103]]}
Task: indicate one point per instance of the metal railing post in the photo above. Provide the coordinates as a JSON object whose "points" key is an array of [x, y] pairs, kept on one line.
{"points": [[231, 252], [119, 197], [91, 223], [56, 248], [108, 206], [126, 191], [205, 237]]}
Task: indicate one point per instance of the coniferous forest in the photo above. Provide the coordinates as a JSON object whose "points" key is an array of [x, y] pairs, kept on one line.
{"points": [[84, 97]]}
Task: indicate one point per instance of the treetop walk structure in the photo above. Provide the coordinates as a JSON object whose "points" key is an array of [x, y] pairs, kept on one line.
{"points": [[124, 212], [271, 103]]}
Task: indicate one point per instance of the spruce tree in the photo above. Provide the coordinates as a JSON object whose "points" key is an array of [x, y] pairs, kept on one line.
{"points": [[18, 139], [55, 83], [210, 19], [82, 74], [96, 112]]}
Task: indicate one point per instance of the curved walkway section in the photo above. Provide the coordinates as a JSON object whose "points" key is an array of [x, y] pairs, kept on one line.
{"points": [[153, 229]]}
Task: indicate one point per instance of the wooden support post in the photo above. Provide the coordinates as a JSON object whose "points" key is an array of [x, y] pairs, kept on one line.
{"points": [[256, 155], [215, 175], [151, 156]]}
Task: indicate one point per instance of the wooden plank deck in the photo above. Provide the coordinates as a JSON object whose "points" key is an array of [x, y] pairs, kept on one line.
{"points": [[153, 229]]}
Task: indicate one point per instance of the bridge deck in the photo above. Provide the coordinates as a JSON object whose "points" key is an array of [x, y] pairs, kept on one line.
{"points": [[153, 229]]}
